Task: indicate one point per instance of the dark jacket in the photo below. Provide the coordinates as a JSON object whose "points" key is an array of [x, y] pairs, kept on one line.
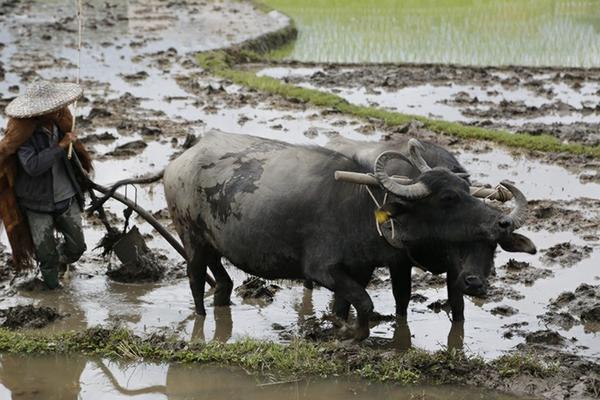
{"points": [[34, 183], [17, 132]]}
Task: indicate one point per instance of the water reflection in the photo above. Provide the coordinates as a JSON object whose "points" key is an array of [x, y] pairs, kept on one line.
{"points": [[402, 339], [223, 325], [42, 378], [62, 377]]}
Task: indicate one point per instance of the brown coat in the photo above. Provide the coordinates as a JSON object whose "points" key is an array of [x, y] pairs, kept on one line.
{"points": [[18, 131]]}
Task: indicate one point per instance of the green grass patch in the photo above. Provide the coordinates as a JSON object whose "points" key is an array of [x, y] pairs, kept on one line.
{"points": [[519, 364], [298, 359], [222, 63]]}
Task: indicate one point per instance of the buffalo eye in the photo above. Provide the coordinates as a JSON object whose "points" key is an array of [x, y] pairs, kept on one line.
{"points": [[505, 223]]}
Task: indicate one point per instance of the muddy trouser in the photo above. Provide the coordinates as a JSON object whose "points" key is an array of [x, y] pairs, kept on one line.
{"points": [[50, 252]]}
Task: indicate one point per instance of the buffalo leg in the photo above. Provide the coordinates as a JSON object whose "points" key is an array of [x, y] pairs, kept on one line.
{"points": [[455, 297], [401, 287], [196, 271], [341, 307], [224, 284], [355, 293]]}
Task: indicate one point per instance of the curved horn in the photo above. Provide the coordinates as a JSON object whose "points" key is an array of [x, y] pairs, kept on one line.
{"points": [[519, 213], [411, 191], [416, 150]]}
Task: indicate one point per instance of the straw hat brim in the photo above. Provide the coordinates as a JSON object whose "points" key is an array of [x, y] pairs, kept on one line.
{"points": [[57, 96]]}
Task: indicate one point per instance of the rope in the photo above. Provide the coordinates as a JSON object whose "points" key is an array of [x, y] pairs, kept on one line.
{"points": [[378, 207], [80, 29]]}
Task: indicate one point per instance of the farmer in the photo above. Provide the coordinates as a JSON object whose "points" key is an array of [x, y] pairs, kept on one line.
{"points": [[40, 189]]}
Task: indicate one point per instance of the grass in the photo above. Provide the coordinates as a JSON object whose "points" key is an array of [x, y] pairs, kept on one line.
{"points": [[515, 364], [297, 359], [223, 63]]}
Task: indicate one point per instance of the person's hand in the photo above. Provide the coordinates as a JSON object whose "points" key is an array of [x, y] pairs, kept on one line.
{"points": [[69, 138]]}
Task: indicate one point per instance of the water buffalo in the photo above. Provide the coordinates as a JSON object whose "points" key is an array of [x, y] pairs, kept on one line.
{"points": [[466, 263], [274, 210]]}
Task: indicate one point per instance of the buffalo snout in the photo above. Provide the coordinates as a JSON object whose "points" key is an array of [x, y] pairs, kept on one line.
{"points": [[474, 286]]}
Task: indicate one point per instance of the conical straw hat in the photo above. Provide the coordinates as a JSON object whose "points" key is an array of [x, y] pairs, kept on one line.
{"points": [[43, 97]]}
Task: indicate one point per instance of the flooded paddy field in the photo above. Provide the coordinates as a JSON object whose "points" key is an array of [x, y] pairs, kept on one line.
{"points": [[502, 32], [146, 100], [563, 102]]}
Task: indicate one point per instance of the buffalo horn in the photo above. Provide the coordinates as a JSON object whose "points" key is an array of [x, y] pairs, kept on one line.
{"points": [[499, 194], [416, 149], [519, 213], [411, 191]]}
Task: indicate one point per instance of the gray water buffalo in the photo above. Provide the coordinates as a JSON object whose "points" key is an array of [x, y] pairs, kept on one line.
{"points": [[467, 264], [274, 210]]}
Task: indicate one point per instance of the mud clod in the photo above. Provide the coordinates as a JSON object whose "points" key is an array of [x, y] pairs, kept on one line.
{"points": [[566, 254], [138, 76], [439, 305], [546, 337], [591, 314], [504, 311], [257, 289], [128, 149], [26, 317], [522, 272], [147, 268], [583, 303]]}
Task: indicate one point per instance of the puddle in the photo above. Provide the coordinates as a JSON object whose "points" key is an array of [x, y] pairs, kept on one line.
{"points": [[65, 378]]}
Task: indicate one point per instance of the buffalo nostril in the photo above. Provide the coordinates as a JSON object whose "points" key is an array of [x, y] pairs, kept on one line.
{"points": [[473, 282], [505, 223]]}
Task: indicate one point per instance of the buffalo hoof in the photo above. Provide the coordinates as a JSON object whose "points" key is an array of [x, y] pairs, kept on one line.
{"points": [[361, 333], [345, 331], [353, 334]]}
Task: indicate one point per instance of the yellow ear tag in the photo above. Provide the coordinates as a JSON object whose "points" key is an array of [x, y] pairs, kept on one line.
{"points": [[382, 216]]}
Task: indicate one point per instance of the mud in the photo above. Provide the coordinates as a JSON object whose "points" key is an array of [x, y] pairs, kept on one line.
{"points": [[134, 126], [5, 264], [523, 273], [566, 254], [26, 317], [256, 289], [564, 102], [581, 216], [148, 267], [546, 337], [582, 306]]}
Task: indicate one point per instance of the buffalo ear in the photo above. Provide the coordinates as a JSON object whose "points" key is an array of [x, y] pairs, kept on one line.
{"points": [[395, 208], [517, 243]]}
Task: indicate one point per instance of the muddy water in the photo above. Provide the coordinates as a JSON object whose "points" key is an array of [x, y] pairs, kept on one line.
{"points": [[180, 99], [565, 103], [504, 32], [80, 378]]}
